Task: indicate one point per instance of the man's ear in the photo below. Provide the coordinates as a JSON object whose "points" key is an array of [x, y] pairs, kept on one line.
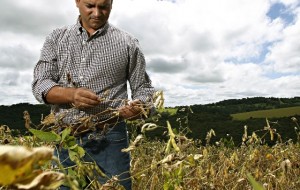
{"points": [[77, 2]]}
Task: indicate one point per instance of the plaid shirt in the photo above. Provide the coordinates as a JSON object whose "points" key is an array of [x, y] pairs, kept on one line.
{"points": [[103, 62]]}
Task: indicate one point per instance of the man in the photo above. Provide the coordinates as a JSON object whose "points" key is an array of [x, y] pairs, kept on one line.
{"points": [[83, 72]]}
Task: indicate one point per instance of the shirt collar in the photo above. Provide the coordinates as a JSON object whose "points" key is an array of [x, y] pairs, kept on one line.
{"points": [[80, 28]]}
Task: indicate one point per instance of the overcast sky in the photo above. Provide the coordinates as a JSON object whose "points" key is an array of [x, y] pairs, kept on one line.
{"points": [[197, 51]]}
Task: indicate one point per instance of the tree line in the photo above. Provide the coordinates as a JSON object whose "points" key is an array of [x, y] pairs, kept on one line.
{"points": [[200, 119], [195, 120]]}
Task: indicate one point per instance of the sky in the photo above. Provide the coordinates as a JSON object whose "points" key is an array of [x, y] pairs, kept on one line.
{"points": [[197, 51]]}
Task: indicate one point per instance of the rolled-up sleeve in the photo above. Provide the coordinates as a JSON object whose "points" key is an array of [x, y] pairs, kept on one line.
{"points": [[45, 74], [139, 80]]}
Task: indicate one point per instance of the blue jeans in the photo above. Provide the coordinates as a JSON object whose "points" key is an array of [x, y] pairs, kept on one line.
{"points": [[106, 152]]}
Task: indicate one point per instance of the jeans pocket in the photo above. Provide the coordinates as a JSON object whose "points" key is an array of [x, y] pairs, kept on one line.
{"points": [[117, 137]]}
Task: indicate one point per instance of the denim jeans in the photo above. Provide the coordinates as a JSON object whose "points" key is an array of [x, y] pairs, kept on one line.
{"points": [[106, 152]]}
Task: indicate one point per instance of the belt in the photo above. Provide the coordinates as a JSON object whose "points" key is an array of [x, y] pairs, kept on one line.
{"points": [[88, 125]]}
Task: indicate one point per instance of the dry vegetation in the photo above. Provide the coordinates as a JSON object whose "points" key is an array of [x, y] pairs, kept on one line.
{"points": [[216, 167], [177, 163]]}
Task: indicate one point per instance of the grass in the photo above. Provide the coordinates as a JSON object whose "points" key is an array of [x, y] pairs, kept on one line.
{"points": [[272, 113], [171, 111]]}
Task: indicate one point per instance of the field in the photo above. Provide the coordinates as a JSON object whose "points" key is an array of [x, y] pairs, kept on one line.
{"points": [[216, 167], [273, 113], [178, 163], [27, 161]]}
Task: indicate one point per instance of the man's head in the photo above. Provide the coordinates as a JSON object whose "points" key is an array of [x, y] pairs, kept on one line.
{"points": [[94, 13]]}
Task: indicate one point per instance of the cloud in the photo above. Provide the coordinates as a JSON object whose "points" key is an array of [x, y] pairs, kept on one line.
{"points": [[33, 17], [17, 57], [15, 86], [284, 55], [196, 51], [161, 65], [25, 25]]}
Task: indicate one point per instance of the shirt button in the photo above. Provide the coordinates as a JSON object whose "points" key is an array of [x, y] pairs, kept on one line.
{"points": [[83, 59], [83, 42], [81, 77]]}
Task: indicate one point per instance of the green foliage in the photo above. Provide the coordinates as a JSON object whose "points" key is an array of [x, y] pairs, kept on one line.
{"points": [[168, 111], [273, 113], [12, 116], [45, 136], [255, 184]]}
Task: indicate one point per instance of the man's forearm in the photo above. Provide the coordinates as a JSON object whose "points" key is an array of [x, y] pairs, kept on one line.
{"points": [[60, 95], [78, 97]]}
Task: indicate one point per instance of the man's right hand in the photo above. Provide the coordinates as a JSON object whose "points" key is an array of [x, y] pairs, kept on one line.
{"points": [[78, 97], [85, 98]]}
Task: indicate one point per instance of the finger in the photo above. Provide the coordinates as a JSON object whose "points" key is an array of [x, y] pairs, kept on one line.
{"points": [[85, 103], [91, 96], [89, 102], [86, 98], [133, 111], [87, 93], [123, 111], [135, 102]]}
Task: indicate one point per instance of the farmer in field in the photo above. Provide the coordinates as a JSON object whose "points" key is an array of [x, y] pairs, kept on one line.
{"points": [[83, 72]]}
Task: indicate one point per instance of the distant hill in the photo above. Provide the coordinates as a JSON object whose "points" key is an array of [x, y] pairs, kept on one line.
{"points": [[252, 104], [219, 117], [12, 116]]}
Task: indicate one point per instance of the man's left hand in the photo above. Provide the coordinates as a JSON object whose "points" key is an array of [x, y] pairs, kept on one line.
{"points": [[131, 111]]}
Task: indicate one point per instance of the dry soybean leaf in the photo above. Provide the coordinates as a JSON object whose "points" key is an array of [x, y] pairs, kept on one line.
{"points": [[16, 162], [286, 165], [197, 156], [46, 180], [49, 119]]}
